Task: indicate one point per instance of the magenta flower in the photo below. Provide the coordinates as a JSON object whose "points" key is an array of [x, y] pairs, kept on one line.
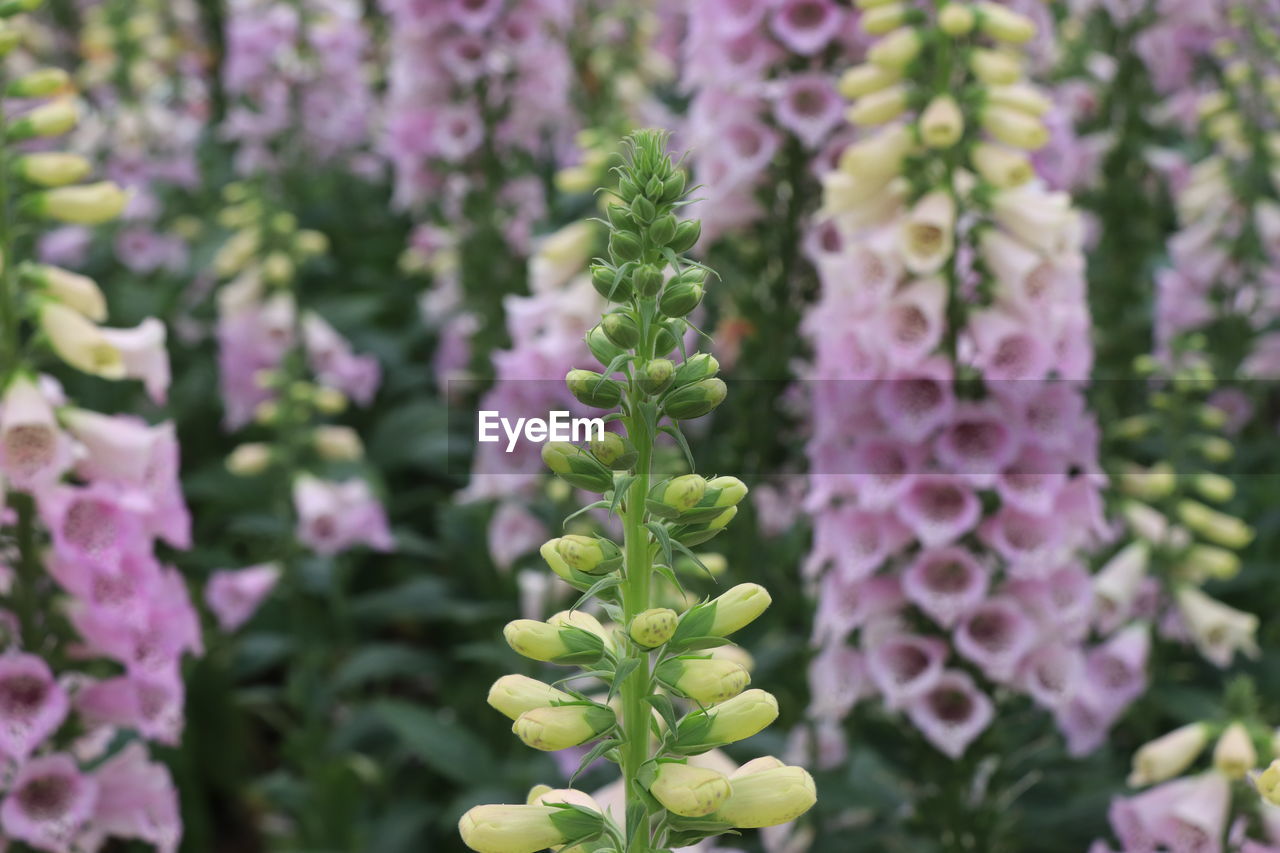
{"points": [[807, 26], [137, 800], [33, 451], [952, 713], [1052, 674], [32, 704], [946, 584], [939, 509], [808, 106], [333, 517], [996, 636], [235, 595], [48, 803], [904, 667]]}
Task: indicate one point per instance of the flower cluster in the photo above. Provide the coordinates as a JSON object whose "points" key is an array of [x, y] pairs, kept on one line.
{"points": [[953, 470], [757, 76], [652, 661], [284, 367], [1223, 278], [296, 71], [145, 74], [94, 625], [1179, 540], [1232, 805], [548, 330], [478, 95]]}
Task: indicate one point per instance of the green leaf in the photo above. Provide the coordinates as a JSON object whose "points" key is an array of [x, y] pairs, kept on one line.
{"points": [[625, 668], [438, 742], [663, 705], [605, 583], [596, 751], [676, 433], [660, 533]]}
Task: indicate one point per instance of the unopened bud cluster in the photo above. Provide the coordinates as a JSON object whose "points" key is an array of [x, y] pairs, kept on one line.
{"points": [[654, 665], [1180, 534]]}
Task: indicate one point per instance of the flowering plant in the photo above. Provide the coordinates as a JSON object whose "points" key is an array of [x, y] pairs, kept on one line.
{"points": [[653, 660]]}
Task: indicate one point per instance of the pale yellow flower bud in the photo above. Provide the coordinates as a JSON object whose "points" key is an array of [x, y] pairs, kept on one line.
{"points": [[86, 204], [882, 19], [874, 161], [896, 50], [515, 829], [1234, 754], [330, 401], [737, 719], [1217, 527], [547, 642], [1214, 487], [278, 268], [878, 107], [53, 168], [1004, 24], [737, 608], [513, 695], [765, 794], [995, 67], [942, 123], [559, 727], [955, 19], [1004, 168], [654, 627], [249, 459], [40, 83], [927, 234], [706, 681], [689, 791], [337, 443], [1206, 562], [71, 289], [80, 343], [1015, 128], [1268, 783], [1168, 755], [1019, 96], [51, 119], [865, 79]]}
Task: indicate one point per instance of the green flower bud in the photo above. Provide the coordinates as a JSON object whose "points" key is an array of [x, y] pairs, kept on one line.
{"points": [[655, 375], [609, 284], [767, 793], [686, 235], [1217, 527], [668, 337], [550, 643], [737, 719], [654, 627], [621, 329], [695, 400], [53, 168], [1005, 24], [576, 467], [695, 368], [51, 119], [1215, 448], [624, 246], [648, 279], [673, 187], [680, 298], [707, 681], [613, 451], [732, 611], [620, 217], [513, 695], [601, 347], [653, 187], [955, 20], [670, 498], [689, 791], [627, 189], [663, 229], [563, 726], [721, 493], [38, 84], [525, 828], [593, 555], [592, 389], [643, 209], [698, 532]]}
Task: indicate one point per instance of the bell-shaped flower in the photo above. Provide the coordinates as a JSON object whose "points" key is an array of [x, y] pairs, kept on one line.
{"points": [[48, 803], [952, 713], [32, 704]]}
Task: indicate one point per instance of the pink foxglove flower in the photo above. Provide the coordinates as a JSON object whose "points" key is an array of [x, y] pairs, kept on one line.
{"points": [[49, 803], [32, 704], [235, 595]]}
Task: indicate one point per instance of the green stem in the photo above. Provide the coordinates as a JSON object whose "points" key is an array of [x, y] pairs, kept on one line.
{"points": [[10, 316], [635, 600]]}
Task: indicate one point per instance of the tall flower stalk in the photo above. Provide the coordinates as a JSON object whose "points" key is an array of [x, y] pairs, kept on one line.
{"points": [[94, 627], [652, 660]]}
